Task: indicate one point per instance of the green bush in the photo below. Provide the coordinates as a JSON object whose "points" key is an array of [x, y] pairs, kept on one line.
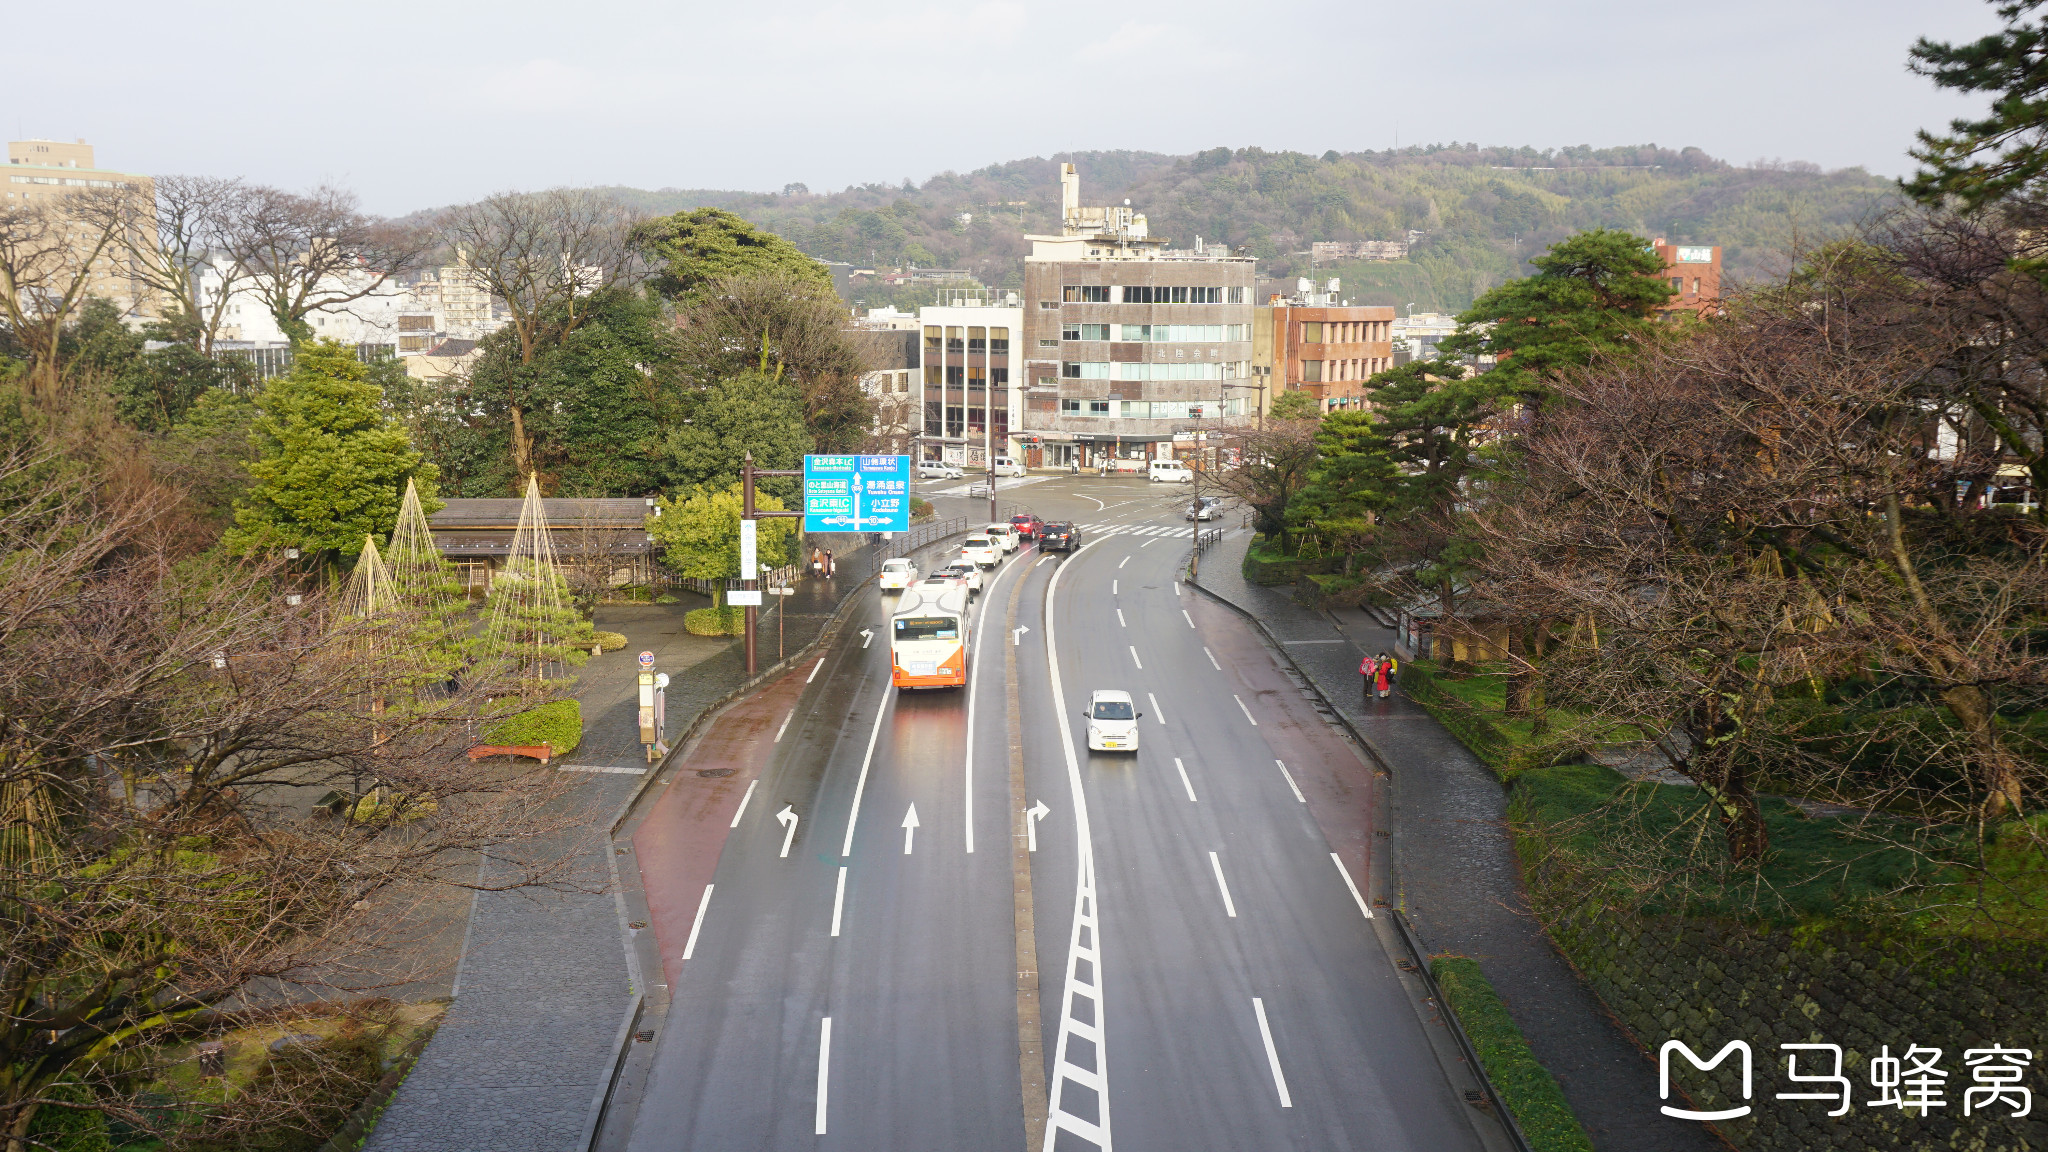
{"points": [[557, 724], [715, 621], [1264, 564], [1524, 1084], [69, 1129], [611, 641], [921, 510]]}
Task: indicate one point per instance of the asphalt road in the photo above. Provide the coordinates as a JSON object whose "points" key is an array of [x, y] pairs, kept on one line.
{"points": [[1208, 976]]}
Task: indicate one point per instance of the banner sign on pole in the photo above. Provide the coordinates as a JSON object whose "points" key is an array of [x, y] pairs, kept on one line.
{"points": [[749, 549], [856, 493]]}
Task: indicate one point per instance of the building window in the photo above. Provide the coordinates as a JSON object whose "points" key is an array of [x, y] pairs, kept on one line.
{"points": [[977, 340], [1695, 286], [1085, 294], [1084, 369], [999, 341], [932, 375], [1000, 377], [1071, 331], [931, 340], [1233, 296], [1311, 333], [956, 376], [1312, 371], [1098, 407], [1677, 284], [1048, 305], [1073, 406], [956, 340], [1047, 342]]}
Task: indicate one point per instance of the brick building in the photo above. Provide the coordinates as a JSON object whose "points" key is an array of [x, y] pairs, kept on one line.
{"points": [[1310, 342], [1694, 272]]}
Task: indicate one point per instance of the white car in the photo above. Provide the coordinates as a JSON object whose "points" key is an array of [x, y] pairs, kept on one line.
{"points": [[981, 551], [1204, 508], [1008, 467], [897, 574], [964, 572], [1004, 535], [934, 470], [1112, 724], [1169, 472]]}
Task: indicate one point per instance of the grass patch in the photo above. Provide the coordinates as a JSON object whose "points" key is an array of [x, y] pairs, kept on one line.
{"points": [[557, 724], [1527, 1087]]}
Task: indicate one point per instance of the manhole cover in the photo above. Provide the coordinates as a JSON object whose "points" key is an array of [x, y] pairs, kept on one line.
{"points": [[710, 773]]}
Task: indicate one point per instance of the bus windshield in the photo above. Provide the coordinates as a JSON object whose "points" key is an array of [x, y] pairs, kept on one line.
{"points": [[928, 628]]}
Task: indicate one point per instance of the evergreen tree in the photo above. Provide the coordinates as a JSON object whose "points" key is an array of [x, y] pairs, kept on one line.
{"points": [[329, 467], [1351, 482], [754, 411], [699, 532], [694, 250], [2003, 155]]}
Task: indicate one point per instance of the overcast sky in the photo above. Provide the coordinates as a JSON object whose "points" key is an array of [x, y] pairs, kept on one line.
{"points": [[417, 103]]}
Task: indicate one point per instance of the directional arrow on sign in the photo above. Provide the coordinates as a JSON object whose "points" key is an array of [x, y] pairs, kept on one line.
{"points": [[787, 818], [1031, 818], [909, 828], [1017, 634], [867, 637]]}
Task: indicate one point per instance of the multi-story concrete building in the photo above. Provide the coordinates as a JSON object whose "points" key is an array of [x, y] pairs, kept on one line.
{"points": [[1694, 273], [970, 358], [1129, 350], [44, 171], [1311, 342]]}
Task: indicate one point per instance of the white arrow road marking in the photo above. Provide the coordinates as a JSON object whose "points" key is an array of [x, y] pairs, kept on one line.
{"points": [[1032, 816], [838, 899], [1272, 1054], [825, 1068], [697, 925], [1212, 658], [1290, 781], [743, 804], [867, 637], [1134, 657], [1156, 713], [1017, 634], [1346, 874], [787, 818], [1247, 711], [909, 828], [1217, 865]]}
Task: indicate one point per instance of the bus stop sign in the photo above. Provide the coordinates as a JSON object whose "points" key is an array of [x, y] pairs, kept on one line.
{"points": [[856, 493], [647, 659]]}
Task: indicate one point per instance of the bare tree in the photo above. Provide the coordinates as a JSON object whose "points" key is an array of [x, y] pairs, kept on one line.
{"points": [[308, 253], [1273, 465], [195, 221], [54, 253], [540, 253]]}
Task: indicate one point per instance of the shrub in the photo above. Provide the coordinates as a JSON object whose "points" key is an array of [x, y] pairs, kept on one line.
{"points": [[557, 724], [921, 510], [1524, 1084], [611, 641], [715, 621], [69, 1129]]}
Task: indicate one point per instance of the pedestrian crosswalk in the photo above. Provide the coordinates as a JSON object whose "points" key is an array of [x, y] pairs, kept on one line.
{"points": [[1161, 530]]}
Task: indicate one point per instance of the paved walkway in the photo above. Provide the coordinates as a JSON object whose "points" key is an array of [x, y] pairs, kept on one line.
{"points": [[1456, 869]]}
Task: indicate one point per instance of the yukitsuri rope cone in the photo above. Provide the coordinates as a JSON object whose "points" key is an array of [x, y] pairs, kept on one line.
{"points": [[533, 635]]}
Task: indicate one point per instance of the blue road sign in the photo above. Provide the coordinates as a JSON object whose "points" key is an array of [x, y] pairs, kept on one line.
{"points": [[856, 493]]}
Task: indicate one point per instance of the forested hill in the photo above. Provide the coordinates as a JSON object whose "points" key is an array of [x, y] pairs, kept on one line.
{"points": [[1485, 210]]}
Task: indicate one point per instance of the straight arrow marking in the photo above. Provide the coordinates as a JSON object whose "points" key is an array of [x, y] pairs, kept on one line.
{"points": [[909, 828]]}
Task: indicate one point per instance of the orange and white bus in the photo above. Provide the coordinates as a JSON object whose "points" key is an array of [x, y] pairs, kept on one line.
{"points": [[929, 637]]}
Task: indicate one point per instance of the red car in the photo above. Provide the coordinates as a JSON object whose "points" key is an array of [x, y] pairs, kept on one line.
{"points": [[1027, 525]]}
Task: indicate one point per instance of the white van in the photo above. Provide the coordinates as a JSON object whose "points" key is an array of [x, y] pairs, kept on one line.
{"points": [[1008, 467], [1170, 471]]}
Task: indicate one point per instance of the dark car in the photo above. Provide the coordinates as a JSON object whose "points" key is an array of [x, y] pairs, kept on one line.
{"points": [[1027, 525], [1058, 537]]}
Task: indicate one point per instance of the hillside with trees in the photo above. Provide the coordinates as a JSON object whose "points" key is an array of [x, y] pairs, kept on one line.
{"points": [[1482, 211]]}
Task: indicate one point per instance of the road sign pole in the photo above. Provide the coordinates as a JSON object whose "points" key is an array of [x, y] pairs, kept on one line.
{"points": [[746, 577]]}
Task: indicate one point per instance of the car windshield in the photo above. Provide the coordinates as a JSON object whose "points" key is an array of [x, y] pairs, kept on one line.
{"points": [[959, 569], [928, 628], [976, 542], [1112, 710]]}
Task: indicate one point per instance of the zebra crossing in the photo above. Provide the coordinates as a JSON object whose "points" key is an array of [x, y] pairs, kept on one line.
{"points": [[1160, 530]]}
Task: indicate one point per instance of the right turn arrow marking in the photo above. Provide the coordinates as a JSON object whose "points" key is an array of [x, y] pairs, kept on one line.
{"points": [[1032, 816]]}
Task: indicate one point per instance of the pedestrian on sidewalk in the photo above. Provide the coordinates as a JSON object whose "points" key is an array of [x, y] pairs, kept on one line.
{"points": [[1382, 673], [1368, 668], [830, 567]]}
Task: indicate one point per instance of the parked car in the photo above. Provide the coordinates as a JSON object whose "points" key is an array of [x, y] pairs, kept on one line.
{"points": [[981, 550], [964, 572], [1027, 525], [1112, 724], [934, 470], [1058, 537], [1169, 472], [897, 574], [1204, 508], [1008, 467], [1004, 535]]}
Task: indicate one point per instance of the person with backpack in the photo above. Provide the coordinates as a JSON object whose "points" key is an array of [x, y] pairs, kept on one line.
{"points": [[1383, 675], [1368, 671]]}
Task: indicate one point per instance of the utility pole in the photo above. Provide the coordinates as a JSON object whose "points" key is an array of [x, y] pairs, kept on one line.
{"points": [[750, 567]]}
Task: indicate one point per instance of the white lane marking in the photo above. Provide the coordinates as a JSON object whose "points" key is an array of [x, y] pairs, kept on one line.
{"points": [[697, 925], [1212, 658], [974, 695], [1149, 543], [743, 804], [909, 827], [1348, 883], [784, 728], [838, 899], [1184, 780], [1190, 619], [1272, 1054], [1134, 657], [861, 786], [1176, 587], [1122, 562], [1290, 780], [1032, 816], [601, 768], [825, 1068], [867, 637], [1084, 942], [1156, 712], [1112, 583], [1247, 712], [814, 670], [788, 819], [1216, 865], [1120, 621], [1097, 503]]}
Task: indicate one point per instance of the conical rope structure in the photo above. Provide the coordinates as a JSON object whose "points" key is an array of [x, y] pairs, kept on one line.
{"points": [[534, 635]]}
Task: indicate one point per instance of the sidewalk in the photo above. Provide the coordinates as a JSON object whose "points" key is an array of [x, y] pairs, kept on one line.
{"points": [[1455, 865]]}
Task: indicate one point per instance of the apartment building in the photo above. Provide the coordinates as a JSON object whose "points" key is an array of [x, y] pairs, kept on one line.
{"points": [[1130, 349], [970, 360], [1694, 273], [890, 347], [43, 171], [1315, 343]]}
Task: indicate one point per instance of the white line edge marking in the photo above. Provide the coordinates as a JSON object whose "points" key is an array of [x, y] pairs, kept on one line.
{"points": [[1176, 587], [1272, 1055], [838, 899], [1122, 562], [1190, 619], [825, 1068], [784, 728], [1120, 622], [1349, 883], [1212, 658], [1290, 781], [1157, 713], [1240, 704], [1184, 780], [1134, 658], [697, 925], [860, 786], [973, 695], [1216, 865], [1149, 543], [1112, 583], [814, 670], [743, 803]]}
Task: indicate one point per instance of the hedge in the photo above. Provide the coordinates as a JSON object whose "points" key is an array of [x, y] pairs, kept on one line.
{"points": [[707, 622], [611, 641], [1524, 1085], [558, 724]]}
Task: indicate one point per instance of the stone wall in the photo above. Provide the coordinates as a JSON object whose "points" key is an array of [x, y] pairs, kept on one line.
{"points": [[1705, 984]]}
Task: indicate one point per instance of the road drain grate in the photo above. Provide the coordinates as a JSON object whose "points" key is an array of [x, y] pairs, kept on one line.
{"points": [[713, 773]]}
